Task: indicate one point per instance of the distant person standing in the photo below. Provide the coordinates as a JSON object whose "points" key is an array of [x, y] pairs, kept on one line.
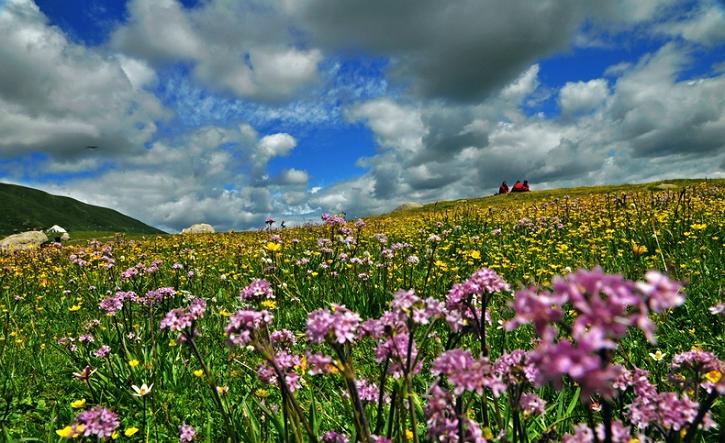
{"points": [[504, 188], [521, 187]]}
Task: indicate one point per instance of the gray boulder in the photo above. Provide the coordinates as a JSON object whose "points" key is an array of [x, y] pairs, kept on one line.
{"points": [[23, 241]]}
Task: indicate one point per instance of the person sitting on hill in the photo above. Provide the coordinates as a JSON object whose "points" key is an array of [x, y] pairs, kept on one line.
{"points": [[526, 186], [504, 188], [518, 187]]}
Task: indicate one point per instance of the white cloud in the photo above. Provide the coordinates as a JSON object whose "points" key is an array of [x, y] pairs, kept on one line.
{"points": [[293, 176], [577, 97], [59, 97], [276, 145], [395, 126], [244, 48], [705, 24]]}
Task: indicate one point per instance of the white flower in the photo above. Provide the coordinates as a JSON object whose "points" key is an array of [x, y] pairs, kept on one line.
{"points": [[143, 390], [657, 356]]}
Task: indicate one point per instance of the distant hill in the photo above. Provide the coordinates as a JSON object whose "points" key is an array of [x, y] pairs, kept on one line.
{"points": [[23, 209]]}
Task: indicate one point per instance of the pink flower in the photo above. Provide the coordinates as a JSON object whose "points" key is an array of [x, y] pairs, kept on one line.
{"points": [[339, 326], [532, 404], [98, 422], [244, 323], [257, 290]]}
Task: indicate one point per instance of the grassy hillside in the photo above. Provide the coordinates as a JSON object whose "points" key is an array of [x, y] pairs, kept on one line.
{"points": [[23, 208]]}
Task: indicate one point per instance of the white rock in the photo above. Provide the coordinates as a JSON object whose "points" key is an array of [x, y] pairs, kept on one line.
{"points": [[200, 228], [23, 241], [55, 229]]}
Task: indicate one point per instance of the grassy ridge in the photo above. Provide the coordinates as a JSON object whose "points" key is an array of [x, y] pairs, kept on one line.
{"points": [[25, 208]]}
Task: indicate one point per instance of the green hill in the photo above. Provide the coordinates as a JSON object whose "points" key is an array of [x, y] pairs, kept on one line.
{"points": [[23, 209]]}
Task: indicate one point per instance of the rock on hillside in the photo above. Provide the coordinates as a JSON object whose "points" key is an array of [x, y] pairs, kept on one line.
{"points": [[23, 241], [200, 228]]}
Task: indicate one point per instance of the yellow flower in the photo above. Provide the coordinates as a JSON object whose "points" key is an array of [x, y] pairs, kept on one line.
{"points": [[114, 436], [261, 393], [476, 255], [269, 304], [199, 373], [133, 363], [78, 403], [713, 376], [638, 249], [130, 431], [66, 432], [408, 434], [273, 247], [75, 308], [172, 343], [487, 434], [657, 356], [222, 389], [698, 226]]}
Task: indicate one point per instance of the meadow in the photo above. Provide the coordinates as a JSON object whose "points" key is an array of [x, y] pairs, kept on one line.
{"points": [[591, 314]]}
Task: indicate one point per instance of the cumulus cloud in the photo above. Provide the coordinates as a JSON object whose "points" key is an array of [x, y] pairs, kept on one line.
{"points": [[58, 97], [244, 48], [578, 97], [704, 24], [465, 50], [293, 176]]}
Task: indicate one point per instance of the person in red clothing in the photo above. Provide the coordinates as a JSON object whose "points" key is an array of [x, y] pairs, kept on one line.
{"points": [[526, 186], [518, 187], [503, 189]]}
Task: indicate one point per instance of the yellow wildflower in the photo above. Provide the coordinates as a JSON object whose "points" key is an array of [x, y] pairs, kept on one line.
{"points": [[78, 403], [269, 304], [133, 363], [130, 431], [713, 376]]}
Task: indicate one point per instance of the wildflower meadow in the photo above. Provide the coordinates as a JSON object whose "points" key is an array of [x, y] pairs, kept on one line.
{"points": [[583, 315]]}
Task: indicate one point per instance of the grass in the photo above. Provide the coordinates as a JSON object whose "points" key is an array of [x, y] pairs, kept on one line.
{"points": [[49, 302], [26, 209]]}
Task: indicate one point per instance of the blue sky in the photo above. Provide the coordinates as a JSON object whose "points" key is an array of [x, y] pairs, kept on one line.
{"points": [[229, 111]]}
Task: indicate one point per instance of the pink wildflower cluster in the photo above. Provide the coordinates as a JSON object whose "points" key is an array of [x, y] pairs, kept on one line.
{"points": [[339, 325], [447, 425], [606, 306], [393, 330], [285, 363], [334, 437], [256, 291], [182, 318], [244, 324], [113, 304], [583, 434], [466, 302], [465, 373], [97, 422]]}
